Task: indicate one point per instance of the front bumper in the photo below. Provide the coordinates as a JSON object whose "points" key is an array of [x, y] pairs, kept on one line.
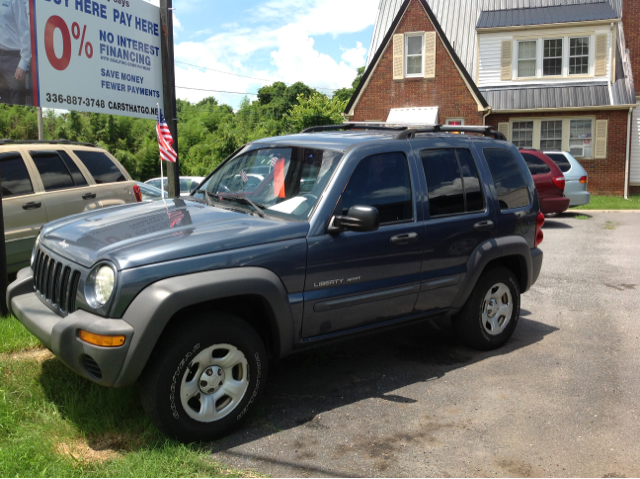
{"points": [[61, 335]]}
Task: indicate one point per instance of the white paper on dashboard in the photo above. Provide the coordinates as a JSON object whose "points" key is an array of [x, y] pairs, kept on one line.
{"points": [[289, 206]]}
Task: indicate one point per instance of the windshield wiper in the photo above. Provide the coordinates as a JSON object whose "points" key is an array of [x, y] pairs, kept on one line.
{"points": [[246, 201]]}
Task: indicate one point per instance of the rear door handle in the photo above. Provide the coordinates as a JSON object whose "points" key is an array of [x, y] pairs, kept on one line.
{"points": [[89, 196], [483, 225], [34, 205], [404, 238]]}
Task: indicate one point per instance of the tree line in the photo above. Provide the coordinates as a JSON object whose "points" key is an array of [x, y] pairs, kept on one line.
{"points": [[208, 132]]}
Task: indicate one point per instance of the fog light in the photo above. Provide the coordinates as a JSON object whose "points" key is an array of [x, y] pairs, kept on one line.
{"points": [[102, 339]]}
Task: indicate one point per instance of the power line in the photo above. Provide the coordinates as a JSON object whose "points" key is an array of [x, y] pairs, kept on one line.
{"points": [[243, 76], [217, 91]]}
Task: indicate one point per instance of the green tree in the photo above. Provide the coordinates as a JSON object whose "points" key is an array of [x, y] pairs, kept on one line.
{"points": [[315, 111]]}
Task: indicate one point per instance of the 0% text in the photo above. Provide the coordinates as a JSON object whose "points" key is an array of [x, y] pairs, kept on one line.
{"points": [[62, 62]]}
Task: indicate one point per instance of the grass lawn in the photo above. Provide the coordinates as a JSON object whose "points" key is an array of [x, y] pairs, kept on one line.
{"points": [[611, 203], [53, 423]]}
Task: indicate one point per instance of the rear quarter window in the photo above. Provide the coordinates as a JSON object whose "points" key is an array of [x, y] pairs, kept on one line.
{"points": [[560, 160], [535, 164], [508, 179], [101, 167]]}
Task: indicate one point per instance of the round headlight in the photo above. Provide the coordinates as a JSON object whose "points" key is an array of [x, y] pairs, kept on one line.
{"points": [[104, 282]]}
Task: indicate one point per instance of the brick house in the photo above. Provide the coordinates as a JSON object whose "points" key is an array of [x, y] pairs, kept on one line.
{"points": [[549, 74]]}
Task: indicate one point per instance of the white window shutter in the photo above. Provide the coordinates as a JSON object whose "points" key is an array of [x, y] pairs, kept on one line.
{"points": [[601, 55], [504, 129], [398, 57], [602, 128], [430, 55], [506, 60]]}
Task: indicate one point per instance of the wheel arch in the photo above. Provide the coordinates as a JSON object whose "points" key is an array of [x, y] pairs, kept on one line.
{"points": [[164, 303]]}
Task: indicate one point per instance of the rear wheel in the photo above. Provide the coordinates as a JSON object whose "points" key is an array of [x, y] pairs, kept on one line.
{"points": [[490, 315], [204, 377]]}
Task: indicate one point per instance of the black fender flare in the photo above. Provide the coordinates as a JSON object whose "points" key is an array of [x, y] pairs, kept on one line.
{"points": [[487, 252], [150, 312]]}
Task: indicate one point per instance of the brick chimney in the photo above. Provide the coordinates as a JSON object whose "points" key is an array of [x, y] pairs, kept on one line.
{"points": [[631, 23]]}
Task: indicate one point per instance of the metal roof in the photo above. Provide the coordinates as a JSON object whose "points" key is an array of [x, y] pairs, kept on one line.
{"points": [[544, 96], [546, 15], [458, 19]]}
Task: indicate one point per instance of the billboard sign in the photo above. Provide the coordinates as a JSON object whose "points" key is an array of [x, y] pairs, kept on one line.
{"points": [[101, 56]]}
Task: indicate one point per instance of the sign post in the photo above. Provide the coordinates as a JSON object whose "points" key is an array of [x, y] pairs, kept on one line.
{"points": [[169, 82]]}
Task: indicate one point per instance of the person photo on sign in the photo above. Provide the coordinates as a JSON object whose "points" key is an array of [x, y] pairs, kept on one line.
{"points": [[15, 51]]}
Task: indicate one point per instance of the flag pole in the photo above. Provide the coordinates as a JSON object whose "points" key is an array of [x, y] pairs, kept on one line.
{"points": [[161, 168]]}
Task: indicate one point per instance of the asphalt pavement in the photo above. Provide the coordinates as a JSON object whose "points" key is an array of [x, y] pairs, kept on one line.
{"points": [[560, 399]]}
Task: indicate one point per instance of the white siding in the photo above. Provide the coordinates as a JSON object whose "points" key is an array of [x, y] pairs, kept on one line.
{"points": [[490, 54], [634, 174]]}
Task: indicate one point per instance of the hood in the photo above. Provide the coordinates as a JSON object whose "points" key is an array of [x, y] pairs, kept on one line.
{"points": [[144, 233]]}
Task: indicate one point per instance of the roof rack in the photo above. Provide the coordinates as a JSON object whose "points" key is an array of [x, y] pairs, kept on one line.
{"points": [[353, 126], [7, 141], [484, 130]]}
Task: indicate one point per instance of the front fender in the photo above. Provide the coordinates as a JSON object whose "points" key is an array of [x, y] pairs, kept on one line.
{"points": [[153, 308]]}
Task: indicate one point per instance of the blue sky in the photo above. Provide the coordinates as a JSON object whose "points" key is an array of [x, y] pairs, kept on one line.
{"points": [[318, 42]]}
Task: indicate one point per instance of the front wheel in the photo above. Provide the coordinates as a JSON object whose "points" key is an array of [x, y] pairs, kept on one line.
{"points": [[204, 377], [490, 315]]}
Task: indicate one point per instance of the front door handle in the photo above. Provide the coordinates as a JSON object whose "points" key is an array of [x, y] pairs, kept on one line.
{"points": [[89, 196], [34, 205], [404, 239], [483, 225]]}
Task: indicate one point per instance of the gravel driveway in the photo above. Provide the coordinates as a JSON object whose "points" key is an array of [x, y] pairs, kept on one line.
{"points": [[560, 399]]}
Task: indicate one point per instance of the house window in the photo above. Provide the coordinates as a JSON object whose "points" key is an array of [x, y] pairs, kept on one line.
{"points": [[551, 135], [522, 134], [414, 48], [579, 56], [552, 57], [581, 138], [527, 59]]}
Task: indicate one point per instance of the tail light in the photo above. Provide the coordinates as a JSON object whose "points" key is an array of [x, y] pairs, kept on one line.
{"points": [[539, 233], [584, 179], [137, 192], [559, 182]]}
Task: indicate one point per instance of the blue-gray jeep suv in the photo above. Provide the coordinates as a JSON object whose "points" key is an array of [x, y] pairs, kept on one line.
{"points": [[291, 241]]}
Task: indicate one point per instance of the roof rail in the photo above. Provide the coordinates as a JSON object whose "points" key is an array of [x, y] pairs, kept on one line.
{"points": [[352, 126], [484, 130], [8, 141]]}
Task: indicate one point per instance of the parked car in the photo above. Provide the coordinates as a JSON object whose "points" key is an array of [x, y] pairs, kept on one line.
{"points": [[44, 181], [575, 176], [549, 180], [394, 225], [150, 193], [187, 184]]}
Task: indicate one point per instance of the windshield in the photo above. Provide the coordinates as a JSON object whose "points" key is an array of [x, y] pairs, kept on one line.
{"points": [[282, 181]]}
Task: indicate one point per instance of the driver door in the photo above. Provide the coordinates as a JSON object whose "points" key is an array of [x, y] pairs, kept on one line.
{"points": [[356, 279]]}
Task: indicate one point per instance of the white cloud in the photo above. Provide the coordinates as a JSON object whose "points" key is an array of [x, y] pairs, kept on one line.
{"points": [[355, 57]]}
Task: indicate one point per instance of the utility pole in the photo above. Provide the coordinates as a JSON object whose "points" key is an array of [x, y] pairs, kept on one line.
{"points": [[169, 90], [40, 124]]}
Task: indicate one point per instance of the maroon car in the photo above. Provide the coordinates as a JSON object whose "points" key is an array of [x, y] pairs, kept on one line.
{"points": [[549, 181]]}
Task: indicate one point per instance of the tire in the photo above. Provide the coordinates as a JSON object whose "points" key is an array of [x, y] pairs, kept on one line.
{"points": [[204, 377], [490, 315]]}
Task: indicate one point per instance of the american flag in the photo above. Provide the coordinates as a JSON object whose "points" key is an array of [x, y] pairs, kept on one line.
{"points": [[244, 176], [165, 140], [273, 161]]}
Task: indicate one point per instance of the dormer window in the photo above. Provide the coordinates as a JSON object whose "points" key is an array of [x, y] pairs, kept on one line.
{"points": [[527, 59], [579, 56], [552, 57]]}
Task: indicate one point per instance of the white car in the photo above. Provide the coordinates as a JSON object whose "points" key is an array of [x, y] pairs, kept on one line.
{"points": [[575, 176], [186, 183]]}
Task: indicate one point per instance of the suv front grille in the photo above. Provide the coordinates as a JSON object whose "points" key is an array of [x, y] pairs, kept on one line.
{"points": [[55, 282]]}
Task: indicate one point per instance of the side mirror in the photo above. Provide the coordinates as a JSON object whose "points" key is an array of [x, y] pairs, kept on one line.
{"points": [[359, 218]]}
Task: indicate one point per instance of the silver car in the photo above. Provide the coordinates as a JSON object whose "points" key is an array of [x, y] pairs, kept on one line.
{"points": [[575, 176]]}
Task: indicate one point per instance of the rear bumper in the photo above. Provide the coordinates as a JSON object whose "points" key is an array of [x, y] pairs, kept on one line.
{"points": [[555, 204], [579, 198], [61, 334], [536, 264]]}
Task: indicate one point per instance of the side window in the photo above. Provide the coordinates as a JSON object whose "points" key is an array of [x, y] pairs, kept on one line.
{"points": [[560, 160], [100, 166], [452, 181], [53, 172], [507, 177], [381, 181], [535, 164], [14, 175], [77, 176]]}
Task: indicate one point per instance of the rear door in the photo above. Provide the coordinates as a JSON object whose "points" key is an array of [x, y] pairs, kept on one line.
{"points": [[458, 221], [22, 206], [114, 184], [66, 189], [357, 279]]}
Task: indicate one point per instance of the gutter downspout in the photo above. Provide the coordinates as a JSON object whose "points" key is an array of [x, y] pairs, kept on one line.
{"points": [[484, 117], [611, 60], [626, 164]]}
